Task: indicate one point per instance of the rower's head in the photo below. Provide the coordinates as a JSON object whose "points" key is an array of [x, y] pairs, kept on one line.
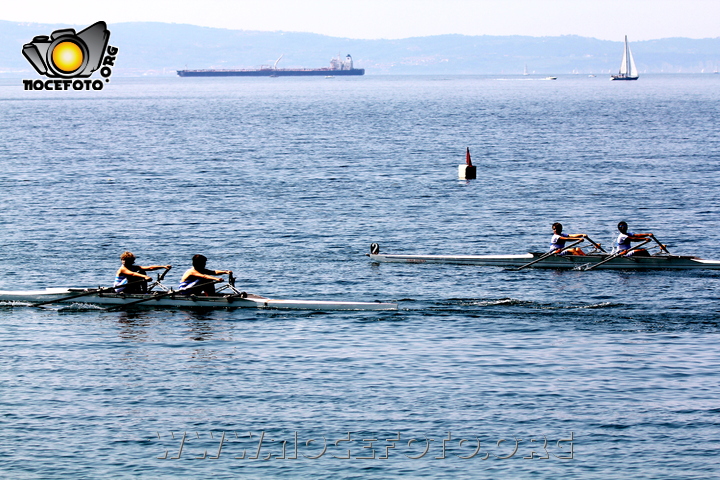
{"points": [[127, 258], [557, 227], [622, 226], [199, 261]]}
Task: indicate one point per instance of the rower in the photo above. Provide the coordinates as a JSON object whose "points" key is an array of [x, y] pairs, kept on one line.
{"points": [[557, 242], [131, 278], [625, 239], [199, 280]]}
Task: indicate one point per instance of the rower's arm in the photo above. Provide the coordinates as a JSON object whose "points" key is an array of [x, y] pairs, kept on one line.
{"points": [[157, 267], [574, 236], [194, 273], [127, 272], [208, 277]]}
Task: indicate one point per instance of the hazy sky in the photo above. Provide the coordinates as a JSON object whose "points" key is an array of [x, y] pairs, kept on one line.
{"points": [[371, 19]]}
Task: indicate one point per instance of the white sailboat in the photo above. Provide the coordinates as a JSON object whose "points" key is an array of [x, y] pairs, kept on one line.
{"points": [[628, 70], [525, 72]]}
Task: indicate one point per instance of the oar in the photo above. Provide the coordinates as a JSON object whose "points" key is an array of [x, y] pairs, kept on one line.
{"points": [[662, 247], [231, 285], [543, 257], [159, 280], [89, 291], [596, 245], [162, 276], [160, 295], [615, 255]]}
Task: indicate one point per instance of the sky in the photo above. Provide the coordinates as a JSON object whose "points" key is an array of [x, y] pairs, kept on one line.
{"points": [[394, 19]]}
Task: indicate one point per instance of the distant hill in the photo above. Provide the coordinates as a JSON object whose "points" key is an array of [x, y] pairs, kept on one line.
{"points": [[148, 48]]}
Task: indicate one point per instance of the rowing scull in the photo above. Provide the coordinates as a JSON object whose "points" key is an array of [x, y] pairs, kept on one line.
{"points": [[578, 262], [70, 295]]}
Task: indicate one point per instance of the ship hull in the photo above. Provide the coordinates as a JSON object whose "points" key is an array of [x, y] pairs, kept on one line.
{"points": [[271, 73]]}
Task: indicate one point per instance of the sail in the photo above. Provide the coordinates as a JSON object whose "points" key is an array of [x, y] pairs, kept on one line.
{"points": [[624, 63], [628, 70], [633, 69]]}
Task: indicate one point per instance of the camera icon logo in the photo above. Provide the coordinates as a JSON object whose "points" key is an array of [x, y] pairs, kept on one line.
{"points": [[67, 54]]}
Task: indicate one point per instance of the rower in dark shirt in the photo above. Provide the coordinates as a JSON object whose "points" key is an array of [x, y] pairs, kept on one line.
{"points": [[131, 278], [199, 280]]}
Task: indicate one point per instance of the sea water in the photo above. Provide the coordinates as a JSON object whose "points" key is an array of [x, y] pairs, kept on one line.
{"points": [[481, 373]]}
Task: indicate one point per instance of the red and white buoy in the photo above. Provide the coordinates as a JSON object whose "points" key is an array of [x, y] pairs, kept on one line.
{"points": [[467, 171]]}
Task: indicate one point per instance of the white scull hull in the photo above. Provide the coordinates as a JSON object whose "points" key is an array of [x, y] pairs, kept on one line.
{"points": [[61, 296], [672, 262]]}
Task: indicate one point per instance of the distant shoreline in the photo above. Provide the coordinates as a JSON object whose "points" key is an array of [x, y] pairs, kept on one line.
{"points": [[147, 48]]}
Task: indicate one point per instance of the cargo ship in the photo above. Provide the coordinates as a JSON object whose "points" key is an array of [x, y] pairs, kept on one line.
{"points": [[337, 67]]}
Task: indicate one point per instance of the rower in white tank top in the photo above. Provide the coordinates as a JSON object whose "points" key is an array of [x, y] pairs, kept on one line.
{"points": [[558, 240], [625, 239]]}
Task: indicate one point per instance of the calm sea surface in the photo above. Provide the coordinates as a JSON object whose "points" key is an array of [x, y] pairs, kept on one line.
{"points": [[287, 181]]}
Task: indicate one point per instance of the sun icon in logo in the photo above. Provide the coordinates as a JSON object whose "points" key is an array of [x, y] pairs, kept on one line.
{"points": [[67, 56]]}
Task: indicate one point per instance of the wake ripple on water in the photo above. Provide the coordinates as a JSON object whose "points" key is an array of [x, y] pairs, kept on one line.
{"points": [[75, 307], [79, 307], [513, 302], [13, 303], [490, 302], [581, 307]]}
